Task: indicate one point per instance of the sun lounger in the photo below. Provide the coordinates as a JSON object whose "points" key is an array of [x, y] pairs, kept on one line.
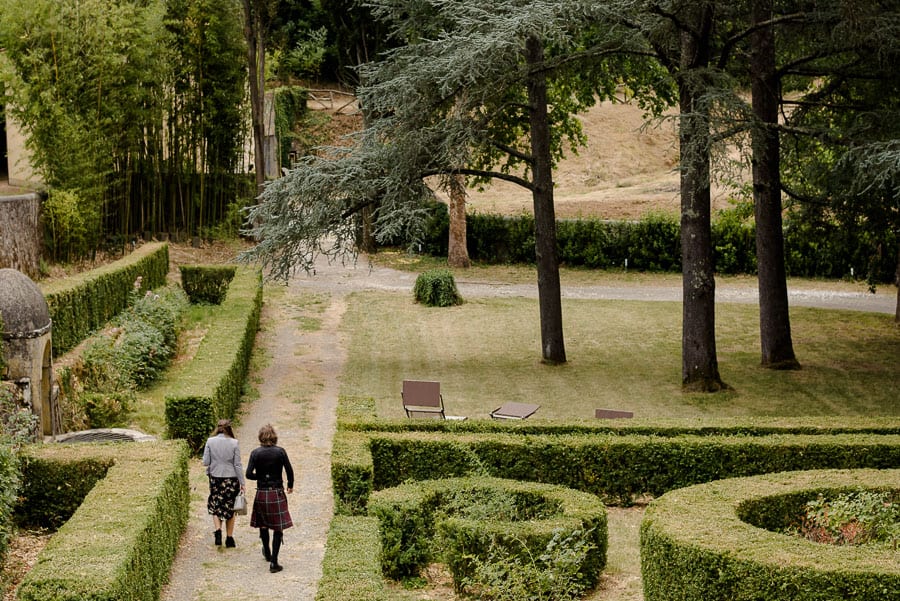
{"points": [[422, 399], [611, 414], [514, 410]]}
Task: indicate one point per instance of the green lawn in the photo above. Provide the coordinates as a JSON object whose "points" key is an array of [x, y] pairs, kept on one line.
{"points": [[622, 355]]}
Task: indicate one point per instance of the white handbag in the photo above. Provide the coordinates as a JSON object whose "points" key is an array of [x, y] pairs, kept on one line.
{"points": [[240, 504]]}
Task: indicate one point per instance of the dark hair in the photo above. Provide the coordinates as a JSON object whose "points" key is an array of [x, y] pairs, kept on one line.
{"points": [[224, 427], [267, 436]]}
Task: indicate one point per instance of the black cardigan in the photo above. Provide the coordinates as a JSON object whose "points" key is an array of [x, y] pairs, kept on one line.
{"points": [[265, 467]]}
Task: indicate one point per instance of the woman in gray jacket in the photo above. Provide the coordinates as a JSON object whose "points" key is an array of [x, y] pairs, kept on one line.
{"points": [[222, 458]]}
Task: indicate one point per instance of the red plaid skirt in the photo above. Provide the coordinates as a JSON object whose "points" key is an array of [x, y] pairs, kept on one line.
{"points": [[270, 510]]}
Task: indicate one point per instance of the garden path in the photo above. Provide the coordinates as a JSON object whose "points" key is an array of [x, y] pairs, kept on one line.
{"points": [[298, 388]]}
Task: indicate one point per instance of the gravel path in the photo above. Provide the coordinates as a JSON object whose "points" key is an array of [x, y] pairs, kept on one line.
{"points": [[298, 389]]}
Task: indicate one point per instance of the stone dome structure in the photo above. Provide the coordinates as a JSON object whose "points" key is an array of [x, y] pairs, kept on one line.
{"points": [[23, 308], [27, 347]]}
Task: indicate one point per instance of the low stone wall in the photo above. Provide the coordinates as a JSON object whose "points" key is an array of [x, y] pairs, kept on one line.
{"points": [[20, 233]]}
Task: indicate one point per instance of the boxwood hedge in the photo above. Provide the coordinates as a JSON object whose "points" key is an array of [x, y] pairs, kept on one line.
{"points": [[120, 542], [617, 467], [415, 515], [700, 543]]}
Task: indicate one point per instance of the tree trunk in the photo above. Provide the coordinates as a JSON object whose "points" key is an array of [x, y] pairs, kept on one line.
{"points": [[256, 64], [699, 366], [897, 281], [457, 253], [552, 343], [774, 317]]}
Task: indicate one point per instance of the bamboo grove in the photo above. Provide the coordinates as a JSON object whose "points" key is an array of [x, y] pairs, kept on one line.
{"points": [[133, 112]]}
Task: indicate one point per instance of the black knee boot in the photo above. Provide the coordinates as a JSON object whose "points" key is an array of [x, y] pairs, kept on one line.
{"points": [[264, 537], [277, 537]]}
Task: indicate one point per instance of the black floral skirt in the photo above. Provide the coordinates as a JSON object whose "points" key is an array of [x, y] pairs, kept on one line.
{"points": [[222, 492]]}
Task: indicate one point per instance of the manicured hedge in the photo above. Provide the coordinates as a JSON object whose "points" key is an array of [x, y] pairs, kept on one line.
{"points": [[617, 468], [351, 569], [9, 488], [696, 546], [83, 303], [120, 543], [413, 516], [823, 249], [210, 387], [206, 283]]}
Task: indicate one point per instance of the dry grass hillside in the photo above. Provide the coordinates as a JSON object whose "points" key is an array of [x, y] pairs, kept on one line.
{"points": [[627, 169]]}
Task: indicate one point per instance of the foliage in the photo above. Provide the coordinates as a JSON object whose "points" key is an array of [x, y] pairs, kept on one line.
{"points": [[290, 110], [420, 522], [350, 568], [553, 575], [436, 288], [853, 518], [129, 109], [206, 283], [69, 224], [619, 468], [713, 542], [210, 387], [84, 303], [9, 488], [121, 541]]}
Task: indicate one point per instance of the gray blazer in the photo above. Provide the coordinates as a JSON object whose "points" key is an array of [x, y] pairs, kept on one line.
{"points": [[222, 458]]}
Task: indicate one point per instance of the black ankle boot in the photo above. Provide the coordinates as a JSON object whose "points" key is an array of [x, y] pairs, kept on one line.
{"points": [[264, 537], [276, 547], [229, 542], [218, 537]]}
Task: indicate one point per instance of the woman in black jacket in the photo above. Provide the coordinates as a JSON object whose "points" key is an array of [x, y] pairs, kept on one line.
{"points": [[270, 507]]}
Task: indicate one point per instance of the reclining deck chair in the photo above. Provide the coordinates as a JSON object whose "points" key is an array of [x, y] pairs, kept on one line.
{"points": [[612, 414], [423, 399], [513, 410]]}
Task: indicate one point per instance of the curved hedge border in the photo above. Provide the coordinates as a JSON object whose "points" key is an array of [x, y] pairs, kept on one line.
{"points": [[210, 386], [411, 516], [85, 302], [695, 546], [617, 468], [121, 541]]}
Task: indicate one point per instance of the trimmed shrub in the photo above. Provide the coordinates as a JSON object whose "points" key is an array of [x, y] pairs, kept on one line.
{"points": [[206, 283], [466, 521], [705, 543], [120, 542], [617, 468], [84, 303], [210, 387], [9, 488], [436, 288], [350, 569]]}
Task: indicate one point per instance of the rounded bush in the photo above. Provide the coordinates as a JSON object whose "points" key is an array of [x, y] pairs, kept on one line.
{"points": [[710, 542], [464, 521], [436, 288]]}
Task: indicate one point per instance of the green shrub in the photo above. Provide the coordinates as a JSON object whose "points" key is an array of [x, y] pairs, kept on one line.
{"points": [[852, 518], [54, 486], [9, 488], [190, 418], [553, 575], [210, 386], [616, 467], [709, 543], [350, 569], [85, 303], [206, 283], [436, 288], [121, 540], [451, 520], [106, 409]]}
